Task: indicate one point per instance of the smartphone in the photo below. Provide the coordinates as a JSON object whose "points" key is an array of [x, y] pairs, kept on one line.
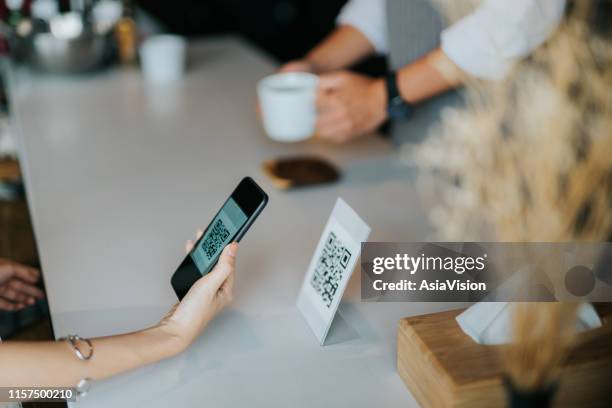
{"points": [[230, 224]]}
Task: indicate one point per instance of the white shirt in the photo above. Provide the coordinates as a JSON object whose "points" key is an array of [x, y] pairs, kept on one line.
{"points": [[485, 43]]}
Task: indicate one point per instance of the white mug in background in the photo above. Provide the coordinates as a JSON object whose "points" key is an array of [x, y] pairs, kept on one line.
{"points": [[163, 58], [287, 102]]}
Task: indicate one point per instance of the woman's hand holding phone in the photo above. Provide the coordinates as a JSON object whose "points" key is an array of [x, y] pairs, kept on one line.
{"points": [[207, 297], [55, 365], [205, 291]]}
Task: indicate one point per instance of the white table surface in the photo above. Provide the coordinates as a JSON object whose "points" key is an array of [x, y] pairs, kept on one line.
{"points": [[119, 175]]}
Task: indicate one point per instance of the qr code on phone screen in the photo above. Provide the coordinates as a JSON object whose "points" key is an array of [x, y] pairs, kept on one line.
{"points": [[330, 267], [215, 239]]}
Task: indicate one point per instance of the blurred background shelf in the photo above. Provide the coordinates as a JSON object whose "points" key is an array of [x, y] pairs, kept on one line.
{"points": [[9, 170], [285, 29]]}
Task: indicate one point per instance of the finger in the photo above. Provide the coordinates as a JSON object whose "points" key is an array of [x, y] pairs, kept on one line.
{"points": [[290, 68], [228, 286], [331, 81], [329, 102], [188, 245], [26, 289], [223, 269], [224, 295], [12, 295], [296, 66], [322, 94], [337, 133], [327, 97], [6, 272], [330, 119], [30, 290], [26, 273], [226, 291], [8, 306]]}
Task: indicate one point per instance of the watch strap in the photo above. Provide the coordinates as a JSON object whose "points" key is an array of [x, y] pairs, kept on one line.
{"points": [[397, 108]]}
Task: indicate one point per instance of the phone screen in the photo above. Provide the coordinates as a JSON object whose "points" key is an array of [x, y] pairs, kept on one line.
{"points": [[222, 230]]}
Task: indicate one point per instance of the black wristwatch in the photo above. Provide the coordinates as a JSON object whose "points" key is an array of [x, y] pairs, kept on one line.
{"points": [[396, 106]]}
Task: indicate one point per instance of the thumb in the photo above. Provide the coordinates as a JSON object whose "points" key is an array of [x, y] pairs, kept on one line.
{"points": [[330, 81], [224, 268]]}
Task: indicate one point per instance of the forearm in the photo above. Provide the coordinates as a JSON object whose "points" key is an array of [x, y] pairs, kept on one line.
{"points": [[429, 76], [55, 363], [344, 47]]}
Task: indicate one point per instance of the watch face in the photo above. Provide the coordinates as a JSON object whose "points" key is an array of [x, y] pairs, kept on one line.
{"points": [[398, 109]]}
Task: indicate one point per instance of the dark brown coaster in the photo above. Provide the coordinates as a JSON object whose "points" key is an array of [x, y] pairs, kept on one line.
{"points": [[300, 171]]}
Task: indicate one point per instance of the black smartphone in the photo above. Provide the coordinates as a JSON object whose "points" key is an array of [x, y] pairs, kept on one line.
{"points": [[229, 225]]}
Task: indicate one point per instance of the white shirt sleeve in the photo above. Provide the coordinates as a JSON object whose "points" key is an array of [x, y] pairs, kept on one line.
{"points": [[369, 17], [489, 41]]}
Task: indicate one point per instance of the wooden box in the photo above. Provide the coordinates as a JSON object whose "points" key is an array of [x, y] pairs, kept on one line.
{"points": [[443, 367]]}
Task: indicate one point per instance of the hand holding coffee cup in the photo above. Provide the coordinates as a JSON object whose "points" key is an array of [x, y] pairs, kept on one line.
{"points": [[287, 103]]}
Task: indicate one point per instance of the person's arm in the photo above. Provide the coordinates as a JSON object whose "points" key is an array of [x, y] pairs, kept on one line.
{"points": [[482, 45], [429, 76], [344, 47], [488, 42], [55, 364], [360, 32]]}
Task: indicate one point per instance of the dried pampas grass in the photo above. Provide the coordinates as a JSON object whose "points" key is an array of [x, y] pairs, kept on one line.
{"points": [[530, 160], [544, 334]]}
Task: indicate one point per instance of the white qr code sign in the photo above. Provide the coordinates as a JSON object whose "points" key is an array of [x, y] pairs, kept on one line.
{"points": [[331, 267]]}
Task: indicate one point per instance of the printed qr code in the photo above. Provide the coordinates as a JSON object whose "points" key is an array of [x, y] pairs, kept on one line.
{"points": [[215, 239], [330, 267]]}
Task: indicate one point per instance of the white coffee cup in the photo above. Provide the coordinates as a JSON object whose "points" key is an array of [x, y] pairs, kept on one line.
{"points": [[163, 58], [287, 102]]}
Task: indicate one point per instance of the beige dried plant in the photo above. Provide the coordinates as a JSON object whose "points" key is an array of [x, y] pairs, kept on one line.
{"points": [[530, 160], [544, 335]]}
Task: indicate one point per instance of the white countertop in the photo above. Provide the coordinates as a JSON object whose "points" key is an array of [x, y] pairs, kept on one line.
{"points": [[120, 175]]}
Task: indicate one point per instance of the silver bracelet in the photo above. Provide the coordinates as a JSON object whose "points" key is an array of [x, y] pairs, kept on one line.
{"points": [[72, 340], [82, 388]]}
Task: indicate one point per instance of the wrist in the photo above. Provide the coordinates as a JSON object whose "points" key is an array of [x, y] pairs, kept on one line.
{"points": [[319, 62], [312, 64], [169, 342], [379, 98], [398, 107]]}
